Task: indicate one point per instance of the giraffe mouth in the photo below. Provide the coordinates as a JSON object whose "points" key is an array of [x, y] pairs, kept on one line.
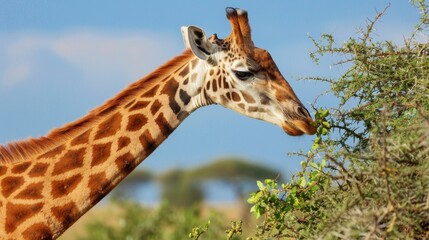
{"points": [[299, 127]]}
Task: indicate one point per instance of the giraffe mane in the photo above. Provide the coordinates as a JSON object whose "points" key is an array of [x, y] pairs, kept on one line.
{"points": [[25, 150]]}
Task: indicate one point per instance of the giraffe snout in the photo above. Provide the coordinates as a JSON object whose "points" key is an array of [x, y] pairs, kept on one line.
{"points": [[302, 123], [302, 112]]}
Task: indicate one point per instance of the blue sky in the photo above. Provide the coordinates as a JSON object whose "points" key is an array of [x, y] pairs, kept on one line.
{"points": [[59, 59]]}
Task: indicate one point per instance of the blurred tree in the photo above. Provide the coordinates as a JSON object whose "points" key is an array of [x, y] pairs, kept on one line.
{"points": [[236, 172], [183, 188], [179, 189]]}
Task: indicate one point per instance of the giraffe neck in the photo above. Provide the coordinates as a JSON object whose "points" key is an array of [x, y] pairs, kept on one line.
{"points": [[40, 198]]}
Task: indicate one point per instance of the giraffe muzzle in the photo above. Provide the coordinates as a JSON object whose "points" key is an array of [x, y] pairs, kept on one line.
{"points": [[299, 127], [299, 122]]}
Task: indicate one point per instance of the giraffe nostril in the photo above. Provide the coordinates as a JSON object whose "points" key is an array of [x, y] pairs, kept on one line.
{"points": [[303, 112]]}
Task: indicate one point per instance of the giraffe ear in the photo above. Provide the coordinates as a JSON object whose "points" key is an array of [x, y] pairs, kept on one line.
{"points": [[196, 40]]}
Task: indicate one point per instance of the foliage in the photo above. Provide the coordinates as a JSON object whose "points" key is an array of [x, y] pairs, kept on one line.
{"points": [[137, 222], [367, 174], [381, 75], [233, 232], [382, 193]]}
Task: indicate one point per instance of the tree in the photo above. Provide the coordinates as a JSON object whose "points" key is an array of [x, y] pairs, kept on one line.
{"points": [[183, 188], [236, 172], [179, 189], [367, 176]]}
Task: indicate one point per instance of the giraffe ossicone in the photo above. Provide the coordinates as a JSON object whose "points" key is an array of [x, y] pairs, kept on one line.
{"points": [[46, 184]]}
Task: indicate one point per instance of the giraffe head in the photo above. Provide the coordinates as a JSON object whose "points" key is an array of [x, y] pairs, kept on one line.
{"points": [[244, 78]]}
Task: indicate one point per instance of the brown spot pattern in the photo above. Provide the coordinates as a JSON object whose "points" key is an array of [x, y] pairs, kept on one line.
{"points": [[151, 92], [170, 89], [139, 105], [32, 191], [184, 96], [156, 106], [81, 139], [125, 163], [194, 77], [235, 97], [38, 170], [174, 105], [214, 84], [16, 214], [66, 214], [253, 109], [100, 153], [99, 186], [71, 160], [225, 83], [265, 100], [184, 72], [163, 125], [136, 122], [228, 95], [20, 168], [129, 104], [194, 62], [64, 187], [123, 142], [248, 98], [147, 142], [52, 153], [104, 110], [109, 127], [220, 82], [10, 185], [182, 115], [38, 231], [3, 170]]}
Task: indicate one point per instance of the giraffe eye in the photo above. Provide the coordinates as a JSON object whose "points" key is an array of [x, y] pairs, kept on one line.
{"points": [[242, 75]]}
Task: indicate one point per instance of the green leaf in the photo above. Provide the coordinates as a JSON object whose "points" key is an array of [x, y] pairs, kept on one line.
{"points": [[260, 185], [303, 182]]}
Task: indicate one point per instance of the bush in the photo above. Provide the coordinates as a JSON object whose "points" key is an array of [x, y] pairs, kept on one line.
{"points": [[367, 175]]}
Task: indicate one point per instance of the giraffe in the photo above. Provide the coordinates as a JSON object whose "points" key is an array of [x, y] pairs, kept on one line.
{"points": [[49, 182]]}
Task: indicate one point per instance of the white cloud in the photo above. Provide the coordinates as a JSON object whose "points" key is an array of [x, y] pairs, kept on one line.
{"points": [[17, 54], [95, 54], [16, 73]]}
